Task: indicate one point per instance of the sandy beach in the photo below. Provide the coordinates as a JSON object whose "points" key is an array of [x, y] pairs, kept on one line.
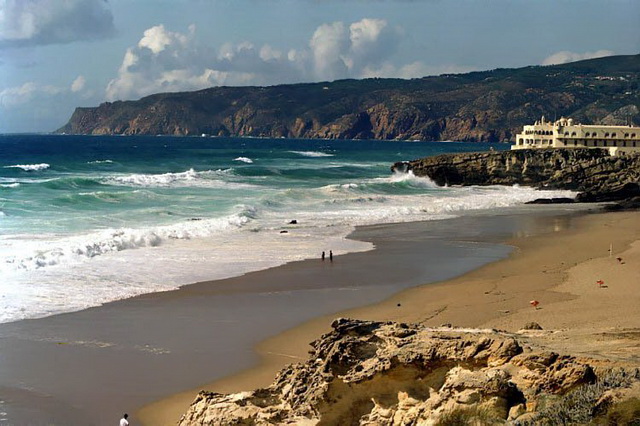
{"points": [[150, 355], [560, 268]]}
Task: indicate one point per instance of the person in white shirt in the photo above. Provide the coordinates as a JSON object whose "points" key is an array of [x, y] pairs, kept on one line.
{"points": [[124, 421]]}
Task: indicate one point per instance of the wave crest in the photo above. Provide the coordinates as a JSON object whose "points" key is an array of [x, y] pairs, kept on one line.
{"points": [[312, 153], [29, 167], [74, 249], [244, 160]]}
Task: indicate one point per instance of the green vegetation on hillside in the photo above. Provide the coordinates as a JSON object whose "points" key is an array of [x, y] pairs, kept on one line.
{"points": [[477, 106]]}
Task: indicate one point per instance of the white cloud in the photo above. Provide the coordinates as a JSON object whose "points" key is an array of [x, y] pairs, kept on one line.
{"points": [[157, 38], [25, 93], [78, 84], [328, 44], [166, 61], [37, 22], [565, 56], [413, 70]]}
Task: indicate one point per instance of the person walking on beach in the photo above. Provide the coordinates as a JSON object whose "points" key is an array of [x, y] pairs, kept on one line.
{"points": [[323, 256], [124, 421], [331, 255]]}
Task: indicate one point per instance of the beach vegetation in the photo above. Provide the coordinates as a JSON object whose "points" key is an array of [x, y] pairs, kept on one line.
{"points": [[471, 415], [586, 405], [626, 412]]}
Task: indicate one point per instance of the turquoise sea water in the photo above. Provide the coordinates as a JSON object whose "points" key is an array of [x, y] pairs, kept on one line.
{"points": [[87, 220]]}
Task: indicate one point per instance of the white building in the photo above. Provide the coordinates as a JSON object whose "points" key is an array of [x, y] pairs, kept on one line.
{"points": [[564, 133]]}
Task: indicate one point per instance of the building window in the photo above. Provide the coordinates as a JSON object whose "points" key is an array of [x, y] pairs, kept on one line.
{"points": [[594, 134], [624, 143], [626, 135], [604, 143], [606, 135], [613, 135], [575, 143], [633, 135]]}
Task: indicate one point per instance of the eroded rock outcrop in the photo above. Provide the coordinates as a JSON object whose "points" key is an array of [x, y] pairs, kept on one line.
{"points": [[375, 373], [592, 172]]}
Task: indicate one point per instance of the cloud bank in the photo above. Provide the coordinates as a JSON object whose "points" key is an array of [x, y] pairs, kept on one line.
{"points": [[30, 91], [168, 61], [565, 56], [40, 22]]}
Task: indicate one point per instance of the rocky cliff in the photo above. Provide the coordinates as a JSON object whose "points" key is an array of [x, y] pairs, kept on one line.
{"points": [[477, 106], [373, 373], [591, 171]]}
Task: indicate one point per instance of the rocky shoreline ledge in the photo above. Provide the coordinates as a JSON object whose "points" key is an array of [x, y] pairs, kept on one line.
{"points": [[592, 172], [386, 373]]}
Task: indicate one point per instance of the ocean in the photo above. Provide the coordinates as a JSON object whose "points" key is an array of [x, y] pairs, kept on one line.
{"points": [[85, 220]]}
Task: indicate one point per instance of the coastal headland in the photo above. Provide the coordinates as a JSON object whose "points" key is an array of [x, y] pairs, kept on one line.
{"points": [[487, 106]]}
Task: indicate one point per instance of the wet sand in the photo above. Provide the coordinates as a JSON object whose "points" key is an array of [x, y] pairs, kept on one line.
{"points": [[89, 367], [556, 262]]}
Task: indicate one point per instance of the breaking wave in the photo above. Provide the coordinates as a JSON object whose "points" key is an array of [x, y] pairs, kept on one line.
{"points": [[244, 160], [74, 249], [312, 153], [29, 167]]}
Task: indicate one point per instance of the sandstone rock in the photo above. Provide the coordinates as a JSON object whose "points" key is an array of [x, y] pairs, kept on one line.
{"points": [[532, 326], [383, 373]]}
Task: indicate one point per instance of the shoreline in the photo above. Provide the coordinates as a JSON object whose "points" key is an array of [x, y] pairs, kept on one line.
{"points": [[92, 365], [489, 296]]}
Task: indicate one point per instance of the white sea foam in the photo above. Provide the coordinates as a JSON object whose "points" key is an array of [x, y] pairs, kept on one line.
{"points": [[43, 273], [208, 178], [410, 178], [312, 153], [70, 250], [10, 185], [244, 160], [100, 162], [29, 167]]}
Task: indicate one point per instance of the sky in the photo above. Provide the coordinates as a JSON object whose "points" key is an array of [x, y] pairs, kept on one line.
{"points": [[56, 55]]}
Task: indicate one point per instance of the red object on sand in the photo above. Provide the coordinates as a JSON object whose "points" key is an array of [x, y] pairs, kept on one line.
{"points": [[534, 303], [600, 283]]}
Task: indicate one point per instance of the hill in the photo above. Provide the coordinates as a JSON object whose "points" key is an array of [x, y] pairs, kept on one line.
{"points": [[477, 106]]}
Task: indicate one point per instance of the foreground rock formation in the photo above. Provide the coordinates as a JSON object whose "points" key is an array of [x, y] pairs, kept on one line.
{"points": [[590, 171], [373, 373], [478, 106]]}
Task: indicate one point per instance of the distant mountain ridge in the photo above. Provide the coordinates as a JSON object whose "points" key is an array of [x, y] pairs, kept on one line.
{"points": [[478, 106]]}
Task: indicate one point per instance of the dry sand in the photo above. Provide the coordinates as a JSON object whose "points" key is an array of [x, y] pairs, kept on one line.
{"points": [[559, 269]]}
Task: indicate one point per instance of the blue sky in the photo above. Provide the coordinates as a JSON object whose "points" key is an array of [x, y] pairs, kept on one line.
{"points": [[56, 55]]}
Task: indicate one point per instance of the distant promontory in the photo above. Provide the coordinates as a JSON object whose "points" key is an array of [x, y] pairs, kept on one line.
{"points": [[489, 106]]}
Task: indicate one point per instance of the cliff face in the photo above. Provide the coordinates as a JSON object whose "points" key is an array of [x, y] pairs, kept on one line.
{"points": [[478, 106], [372, 373], [592, 172]]}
